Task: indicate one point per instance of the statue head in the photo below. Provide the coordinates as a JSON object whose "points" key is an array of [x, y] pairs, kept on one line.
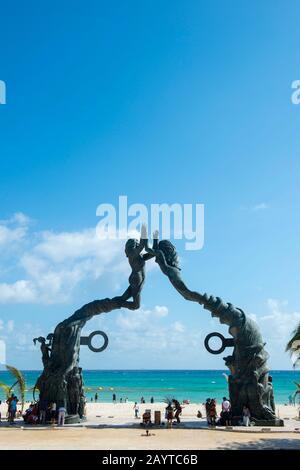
{"points": [[169, 252], [130, 246]]}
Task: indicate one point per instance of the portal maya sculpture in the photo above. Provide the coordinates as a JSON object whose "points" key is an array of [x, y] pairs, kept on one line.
{"points": [[249, 381]]}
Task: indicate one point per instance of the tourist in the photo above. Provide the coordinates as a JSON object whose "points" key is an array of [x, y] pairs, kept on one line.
{"points": [[213, 412], [136, 410], [61, 416], [177, 409], [43, 409], [142, 400], [126, 400], [246, 416], [52, 407], [13, 409], [169, 415], [207, 407], [226, 412], [96, 396], [121, 400], [114, 397], [152, 400]]}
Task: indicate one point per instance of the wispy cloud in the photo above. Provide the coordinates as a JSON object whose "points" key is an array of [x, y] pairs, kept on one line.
{"points": [[48, 266], [260, 207]]}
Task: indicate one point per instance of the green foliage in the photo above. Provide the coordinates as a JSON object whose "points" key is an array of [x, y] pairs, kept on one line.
{"points": [[6, 389], [295, 337], [20, 382]]}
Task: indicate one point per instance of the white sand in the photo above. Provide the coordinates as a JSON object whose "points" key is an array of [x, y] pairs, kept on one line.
{"points": [[113, 426]]}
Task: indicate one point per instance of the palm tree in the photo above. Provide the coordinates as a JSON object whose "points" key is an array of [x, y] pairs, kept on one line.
{"points": [[20, 382], [296, 392], [293, 346]]}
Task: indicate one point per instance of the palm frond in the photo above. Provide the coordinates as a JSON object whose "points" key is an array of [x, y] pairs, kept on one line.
{"points": [[295, 337], [20, 381], [5, 388]]}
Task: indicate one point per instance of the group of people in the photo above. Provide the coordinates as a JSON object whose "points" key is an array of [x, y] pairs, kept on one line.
{"points": [[142, 400], [173, 412], [42, 412], [225, 418]]}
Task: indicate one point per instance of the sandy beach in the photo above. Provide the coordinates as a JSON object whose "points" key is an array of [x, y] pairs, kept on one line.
{"points": [[113, 426]]}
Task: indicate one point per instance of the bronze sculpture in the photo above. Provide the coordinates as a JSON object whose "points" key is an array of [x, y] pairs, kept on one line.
{"points": [[249, 380]]}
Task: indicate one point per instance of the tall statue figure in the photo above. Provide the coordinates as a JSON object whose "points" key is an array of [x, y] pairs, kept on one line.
{"points": [[249, 381], [61, 380]]}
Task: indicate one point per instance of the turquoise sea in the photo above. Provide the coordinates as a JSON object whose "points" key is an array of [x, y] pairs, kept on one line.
{"points": [[193, 385]]}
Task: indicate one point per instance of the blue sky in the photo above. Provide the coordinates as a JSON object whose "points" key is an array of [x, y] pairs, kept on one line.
{"points": [[165, 102]]}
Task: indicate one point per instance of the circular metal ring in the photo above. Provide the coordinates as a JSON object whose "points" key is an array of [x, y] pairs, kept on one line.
{"points": [[215, 351], [91, 336]]}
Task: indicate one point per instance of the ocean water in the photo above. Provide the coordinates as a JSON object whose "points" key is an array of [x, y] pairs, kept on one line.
{"points": [[193, 385]]}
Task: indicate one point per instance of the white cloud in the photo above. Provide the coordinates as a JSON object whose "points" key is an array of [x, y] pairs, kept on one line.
{"points": [[48, 267], [260, 207], [22, 291], [276, 328]]}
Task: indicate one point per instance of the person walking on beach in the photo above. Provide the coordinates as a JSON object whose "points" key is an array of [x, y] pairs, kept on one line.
{"points": [[152, 400], [61, 416], [114, 398], [213, 412], [246, 416], [207, 407], [96, 397], [136, 410]]}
